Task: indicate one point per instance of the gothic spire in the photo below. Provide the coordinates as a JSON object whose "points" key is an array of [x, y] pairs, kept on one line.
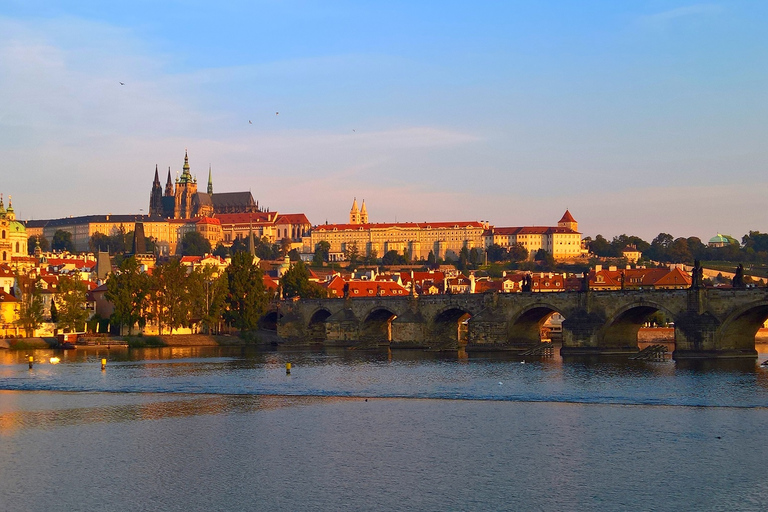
{"points": [[210, 181], [169, 184]]}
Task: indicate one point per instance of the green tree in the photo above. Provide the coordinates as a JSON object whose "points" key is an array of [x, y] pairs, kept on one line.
{"points": [[497, 253], [322, 249], [207, 292], [62, 241], [392, 258], [599, 247], [169, 281], [118, 241], [285, 247], [33, 241], [352, 254], [238, 245], [246, 298], [295, 283], [99, 242], [128, 291], [221, 250], [431, 260], [54, 312], [518, 252], [72, 296], [31, 310], [195, 244]]}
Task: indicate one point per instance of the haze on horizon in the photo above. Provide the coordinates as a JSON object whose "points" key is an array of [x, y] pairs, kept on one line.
{"points": [[640, 117]]}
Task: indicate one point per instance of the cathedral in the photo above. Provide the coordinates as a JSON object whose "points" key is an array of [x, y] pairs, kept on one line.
{"points": [[181, 200]]}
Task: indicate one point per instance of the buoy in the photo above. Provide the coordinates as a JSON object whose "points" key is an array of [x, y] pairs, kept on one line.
{"points": [[103, 364], [31, 360], [287, 368]]}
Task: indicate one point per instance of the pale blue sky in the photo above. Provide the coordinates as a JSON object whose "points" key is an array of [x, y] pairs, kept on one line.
{"points": [[639, 116]]}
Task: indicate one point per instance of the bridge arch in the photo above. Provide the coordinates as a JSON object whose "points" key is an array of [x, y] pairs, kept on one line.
{"points": [[525, 328], [449, 327], [270, 319], [316, 329], [376, 327], [621, 329], [738, 330]]}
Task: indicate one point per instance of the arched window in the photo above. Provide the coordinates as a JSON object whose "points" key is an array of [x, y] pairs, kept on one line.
{"points": [[4, 256], [3, 234], [17, 246]]}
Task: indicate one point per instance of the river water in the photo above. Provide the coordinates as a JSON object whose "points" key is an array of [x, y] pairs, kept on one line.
{"points": [[226, 429]]}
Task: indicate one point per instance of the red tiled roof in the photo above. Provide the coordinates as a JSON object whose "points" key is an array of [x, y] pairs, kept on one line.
{"points": [[245, 218], [208, 220], [567, 217], [292, 218], [401, 225]]}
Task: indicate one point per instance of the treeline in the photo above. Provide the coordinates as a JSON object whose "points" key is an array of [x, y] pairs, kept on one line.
{"points": [[667, 249], [172, 297]]}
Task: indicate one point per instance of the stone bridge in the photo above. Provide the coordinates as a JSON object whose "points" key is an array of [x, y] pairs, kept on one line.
{"points": [[708, 322]]}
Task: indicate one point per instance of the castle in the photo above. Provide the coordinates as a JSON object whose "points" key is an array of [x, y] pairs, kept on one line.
{"points": [[181, 200]]}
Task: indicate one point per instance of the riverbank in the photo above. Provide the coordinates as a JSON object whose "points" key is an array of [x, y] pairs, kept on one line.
{"points": [[261, 337]]}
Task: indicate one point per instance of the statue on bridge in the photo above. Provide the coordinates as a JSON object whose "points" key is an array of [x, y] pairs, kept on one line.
{"points": [[585, 281], [527, 283], [738, 277], [697, 276]]}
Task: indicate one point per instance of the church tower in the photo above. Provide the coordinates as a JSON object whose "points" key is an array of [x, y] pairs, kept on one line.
{"points": [[186, 188], [354, 213], [210, 182], [363, 214], [156, 197], [568, 222]]}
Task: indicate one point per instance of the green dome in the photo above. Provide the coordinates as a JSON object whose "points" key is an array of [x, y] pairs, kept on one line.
{"points": [[17, 227], [719, 239]]}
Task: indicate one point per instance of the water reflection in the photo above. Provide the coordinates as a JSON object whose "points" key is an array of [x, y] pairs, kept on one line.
{"points": [[150, 407]]}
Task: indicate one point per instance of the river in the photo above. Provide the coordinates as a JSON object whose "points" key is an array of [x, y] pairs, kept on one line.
{"points": [[212, 428]]}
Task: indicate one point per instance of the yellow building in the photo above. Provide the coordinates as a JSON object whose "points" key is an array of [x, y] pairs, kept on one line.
{"points": [[562, 241], [13, 234]]}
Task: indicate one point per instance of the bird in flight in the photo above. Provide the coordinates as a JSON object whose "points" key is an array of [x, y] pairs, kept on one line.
{"points": [[249, 122], [277, 113], [121, 83]]}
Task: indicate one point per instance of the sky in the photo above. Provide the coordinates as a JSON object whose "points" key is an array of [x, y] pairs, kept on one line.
{"points": [[640, 117]]}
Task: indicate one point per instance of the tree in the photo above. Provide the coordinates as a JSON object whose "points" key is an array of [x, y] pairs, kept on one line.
{"points": [[496, 253], [195, 244], [128, 291], [392, 258], [54, 312], [34, 240], [518, 252], [118, 242], [99, 242], [295, 283], [221, 250], [207, 291], [294, 255], [431, 261], [72, 296], [62, 241], [352, 253], [599, 247], [169, 282], [285, 246], [31, 309], [322, 249], [246, 298]]}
